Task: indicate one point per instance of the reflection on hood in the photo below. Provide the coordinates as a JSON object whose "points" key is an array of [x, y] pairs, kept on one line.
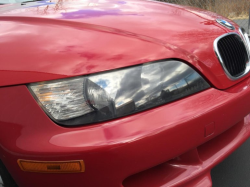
{"points": [[87, 13]]}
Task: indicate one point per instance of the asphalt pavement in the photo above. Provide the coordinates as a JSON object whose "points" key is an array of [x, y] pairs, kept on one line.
{"points": [[234, 171], [1, 182], [242, 23]]}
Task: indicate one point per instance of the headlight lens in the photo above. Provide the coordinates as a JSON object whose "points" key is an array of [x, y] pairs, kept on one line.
{"points": [[109, 95]]}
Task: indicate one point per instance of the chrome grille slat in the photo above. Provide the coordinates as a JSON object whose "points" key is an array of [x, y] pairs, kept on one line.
{"points": [[232, 53], [240, 50]]}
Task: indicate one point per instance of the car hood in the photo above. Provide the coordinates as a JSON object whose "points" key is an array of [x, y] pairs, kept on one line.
{"points": [[47, 40]]}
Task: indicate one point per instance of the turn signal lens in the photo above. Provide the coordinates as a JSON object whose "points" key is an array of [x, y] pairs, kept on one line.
{"points": [[75, 166], [63, 100]]}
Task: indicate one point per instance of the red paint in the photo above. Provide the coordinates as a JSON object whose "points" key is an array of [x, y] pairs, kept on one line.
{"points": [[36, 47], [115, 150], [209, 129], [97, 36]]}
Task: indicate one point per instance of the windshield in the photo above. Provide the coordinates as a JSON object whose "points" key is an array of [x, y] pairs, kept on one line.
{"points": [[14, 1]]}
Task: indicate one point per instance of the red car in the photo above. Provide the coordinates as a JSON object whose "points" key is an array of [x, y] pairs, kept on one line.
{"points": [[119, 93]]}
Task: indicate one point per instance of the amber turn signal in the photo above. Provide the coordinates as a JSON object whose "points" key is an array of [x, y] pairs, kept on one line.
{"points": [[74, 166]]}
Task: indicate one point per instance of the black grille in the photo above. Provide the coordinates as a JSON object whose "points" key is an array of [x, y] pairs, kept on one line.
{"points": [[233, 53]]}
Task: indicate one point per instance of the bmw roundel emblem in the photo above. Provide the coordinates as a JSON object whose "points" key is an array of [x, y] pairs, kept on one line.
{"points": [[225, 24]]}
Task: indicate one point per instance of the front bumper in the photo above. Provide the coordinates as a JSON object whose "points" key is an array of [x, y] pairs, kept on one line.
{"points": [[172, 145]]}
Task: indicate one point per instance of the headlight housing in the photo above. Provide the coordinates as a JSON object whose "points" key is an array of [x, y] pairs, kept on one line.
{"points": [[117, 93]]}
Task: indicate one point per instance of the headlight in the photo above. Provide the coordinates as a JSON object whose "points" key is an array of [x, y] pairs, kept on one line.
{"points": [[112, 94]]}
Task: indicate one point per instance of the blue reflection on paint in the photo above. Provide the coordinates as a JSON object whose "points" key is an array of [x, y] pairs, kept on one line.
{"points": [[88, 13], [122, 2]]}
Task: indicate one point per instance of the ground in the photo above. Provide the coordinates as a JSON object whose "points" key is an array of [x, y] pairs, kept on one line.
{"points": [[235, 170], [1, 182], [243, 23]]}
